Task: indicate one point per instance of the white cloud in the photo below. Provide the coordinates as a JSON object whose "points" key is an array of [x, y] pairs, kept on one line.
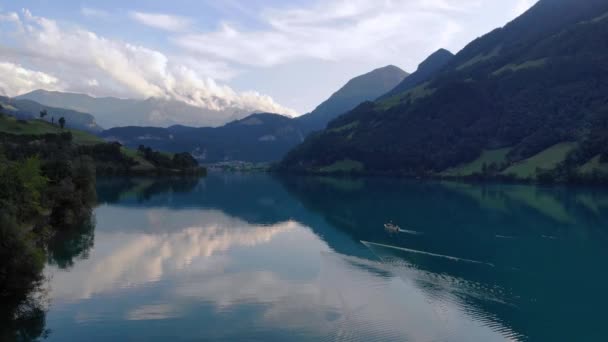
{"points": [[136, 258], [94, 12], [336, 30], [162, 21], [139, 71], [16, 80], [11, 17]]}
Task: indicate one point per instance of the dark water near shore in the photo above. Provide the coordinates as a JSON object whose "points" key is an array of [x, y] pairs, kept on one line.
{"points": [[252, 257]]}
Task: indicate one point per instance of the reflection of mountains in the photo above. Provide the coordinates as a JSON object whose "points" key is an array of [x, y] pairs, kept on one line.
{"points": [[135, 258], [533, 236], [542, 244], [255, 198], [452, 216]]}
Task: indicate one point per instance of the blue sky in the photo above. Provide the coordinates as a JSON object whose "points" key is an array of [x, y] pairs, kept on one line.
{"points": [[282, 56]]}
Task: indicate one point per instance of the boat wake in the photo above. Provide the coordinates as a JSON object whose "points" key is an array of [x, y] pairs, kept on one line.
{"points": [[368, 244]]}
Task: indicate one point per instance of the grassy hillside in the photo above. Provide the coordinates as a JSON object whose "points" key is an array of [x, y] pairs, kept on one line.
{"points": [[487, 158], [594, 165], [9, 124], [109, 158], [545, 160]]}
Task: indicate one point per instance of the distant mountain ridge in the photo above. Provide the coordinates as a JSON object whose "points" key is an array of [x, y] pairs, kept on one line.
{"points": [[258, 137], [528, 99], [115, 112]]}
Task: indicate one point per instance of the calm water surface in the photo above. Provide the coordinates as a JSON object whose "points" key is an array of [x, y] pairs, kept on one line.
{"points": [[252, 257]]}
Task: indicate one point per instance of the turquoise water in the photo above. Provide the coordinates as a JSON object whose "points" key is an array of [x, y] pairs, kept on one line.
{"points": [[252, 257]]}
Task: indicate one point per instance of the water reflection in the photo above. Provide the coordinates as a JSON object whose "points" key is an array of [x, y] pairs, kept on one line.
{"points": [[541, 245], [256, 258], [129, 256], [72, 243]]}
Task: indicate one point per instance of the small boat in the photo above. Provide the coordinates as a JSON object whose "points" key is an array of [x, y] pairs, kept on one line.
{"points": [[390, 227]]}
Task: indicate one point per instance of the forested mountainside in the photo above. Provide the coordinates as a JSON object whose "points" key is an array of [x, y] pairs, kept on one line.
{"points": [[28, 109], [527, 100], [360, 89], [427, 69]]}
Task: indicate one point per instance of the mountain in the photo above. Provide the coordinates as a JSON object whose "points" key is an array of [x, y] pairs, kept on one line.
{"points": [[526, 100], [257, 138], [360, 89], [27, 109], [427, 69], [114, 112]]}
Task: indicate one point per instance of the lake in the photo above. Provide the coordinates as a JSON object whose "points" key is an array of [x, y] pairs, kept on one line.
{"points": [[256, 257]]}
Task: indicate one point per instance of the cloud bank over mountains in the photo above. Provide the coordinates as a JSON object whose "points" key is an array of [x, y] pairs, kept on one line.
{"points": [[63, 57]]}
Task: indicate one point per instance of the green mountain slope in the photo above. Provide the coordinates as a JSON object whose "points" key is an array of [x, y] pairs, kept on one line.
{"points": [[537, 82], [31, 136], [360, 89], [427, 69], [12, 125]]}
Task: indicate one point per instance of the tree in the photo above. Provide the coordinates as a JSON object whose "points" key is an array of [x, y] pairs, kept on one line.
{"points": [[43, 113], [184, 161], [61, 122]]}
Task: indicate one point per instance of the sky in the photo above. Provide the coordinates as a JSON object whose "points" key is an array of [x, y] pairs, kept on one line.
{"points": [[273, 55]]}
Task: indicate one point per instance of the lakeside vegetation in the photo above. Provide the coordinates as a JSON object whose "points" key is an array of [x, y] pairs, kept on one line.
{"points": [[47, 192], [562, 163], [46, 189]]}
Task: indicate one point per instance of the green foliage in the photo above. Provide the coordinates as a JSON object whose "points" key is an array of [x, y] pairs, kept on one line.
{"points": [[343, 166], [45, 188], [548, 159], [184, 161], [347, 127], [480, 58], [595, 164], [179, 162], [516, 67], [488, 159], [21, 187], [22, 259]]}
